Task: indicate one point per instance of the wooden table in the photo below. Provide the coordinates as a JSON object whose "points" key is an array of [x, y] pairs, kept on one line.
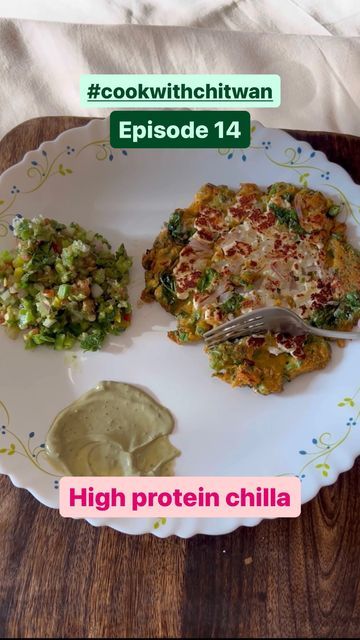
{"points": [[284, 578]]}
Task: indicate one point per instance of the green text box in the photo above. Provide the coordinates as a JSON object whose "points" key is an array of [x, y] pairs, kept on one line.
{"points": [[180, 129], [223, 91]]}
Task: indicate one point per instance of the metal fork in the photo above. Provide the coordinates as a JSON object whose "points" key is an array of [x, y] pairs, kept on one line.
{"points": [[270, 319]]}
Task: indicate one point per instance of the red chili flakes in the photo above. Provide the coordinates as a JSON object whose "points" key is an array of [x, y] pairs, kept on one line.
{"points": [[272, 285], [262, 220], [218, 315], [206, 235], [56, 247], [299, 354], [209, 219], [248, 362], [292, 344], [317, 237], [188, 281], [238, 213], [315, 220], [284, 250], [255, 341], [279, 248], [244, 205], [323, 296], [183, 266], [255, 217], [239, 247], [187, 251]]}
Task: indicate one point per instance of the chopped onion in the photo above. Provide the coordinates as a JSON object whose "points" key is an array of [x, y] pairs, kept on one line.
{"points": [[99, 245], [297, 206], [275, 351], [6, 295], [96, 291], [48, 322], [219, 292], [223, 297]]}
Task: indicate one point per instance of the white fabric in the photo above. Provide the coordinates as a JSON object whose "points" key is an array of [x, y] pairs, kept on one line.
{"points": [[313, 44], [316, 17]]}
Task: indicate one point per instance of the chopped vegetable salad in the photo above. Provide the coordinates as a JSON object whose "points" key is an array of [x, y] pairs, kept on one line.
{"points": [[63, 284]]}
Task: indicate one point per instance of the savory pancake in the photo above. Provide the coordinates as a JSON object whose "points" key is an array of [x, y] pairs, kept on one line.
{"points": [[231, 252]]}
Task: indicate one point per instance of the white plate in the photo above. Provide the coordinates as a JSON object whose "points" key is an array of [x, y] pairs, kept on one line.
{"points": [[309, 430]]}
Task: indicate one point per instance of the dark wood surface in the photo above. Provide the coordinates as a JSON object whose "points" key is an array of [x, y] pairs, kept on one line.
{"points": [[284, 578]]}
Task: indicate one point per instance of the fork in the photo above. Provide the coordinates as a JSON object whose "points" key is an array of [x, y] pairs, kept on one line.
{"points": [[270, 319]]}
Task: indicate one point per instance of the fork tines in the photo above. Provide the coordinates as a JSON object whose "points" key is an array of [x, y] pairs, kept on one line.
{"points": [[237, 328]]}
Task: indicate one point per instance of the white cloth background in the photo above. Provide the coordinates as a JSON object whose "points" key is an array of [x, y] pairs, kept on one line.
{"points": [[313, 44]]}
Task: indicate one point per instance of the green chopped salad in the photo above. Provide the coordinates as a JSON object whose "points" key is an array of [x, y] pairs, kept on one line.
{"points": [[63, 284]]}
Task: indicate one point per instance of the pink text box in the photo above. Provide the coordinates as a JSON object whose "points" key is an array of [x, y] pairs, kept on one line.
{"points": [[200, 497]]}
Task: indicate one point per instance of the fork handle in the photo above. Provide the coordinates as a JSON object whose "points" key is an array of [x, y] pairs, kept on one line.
{"points": [[345, 335]]}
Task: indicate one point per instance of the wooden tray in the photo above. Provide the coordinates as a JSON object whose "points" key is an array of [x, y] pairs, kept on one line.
{"points": [[284, 578]]}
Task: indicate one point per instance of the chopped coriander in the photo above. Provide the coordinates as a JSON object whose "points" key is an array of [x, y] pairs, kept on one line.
{"points": [[342, 311], [92, 341], [176, 228], [182, 336], [288, 217], [232, 304], [168, 284], [207, 280]]}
